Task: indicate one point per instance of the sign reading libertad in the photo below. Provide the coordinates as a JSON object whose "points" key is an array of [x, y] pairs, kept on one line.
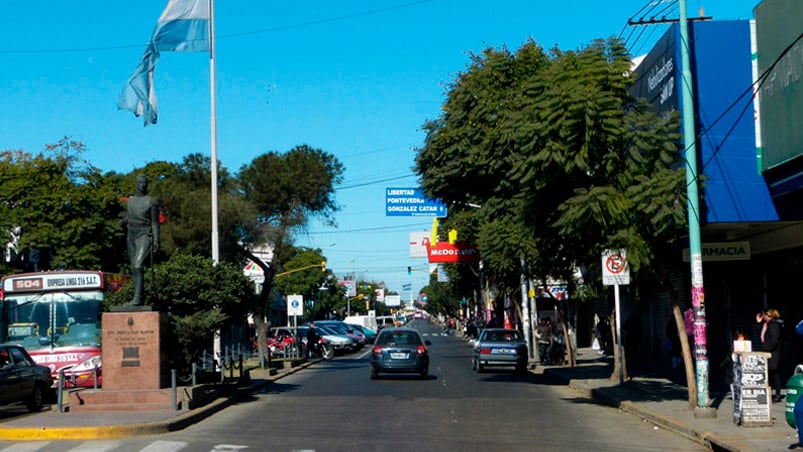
{"points": [[411, 202]]}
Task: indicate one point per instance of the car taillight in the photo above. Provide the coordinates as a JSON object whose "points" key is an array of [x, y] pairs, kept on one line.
{"points": [[485, 350], [378, 349], [521, 351], [421, 350]]}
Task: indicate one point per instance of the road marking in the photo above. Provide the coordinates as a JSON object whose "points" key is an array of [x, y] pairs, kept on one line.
{"points": [[27, 446], [164, 446]]}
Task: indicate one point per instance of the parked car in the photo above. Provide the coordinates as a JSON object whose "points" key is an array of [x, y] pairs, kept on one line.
{"points": [[21, 379], [400, 350], [343, 328], [368, 333], [339, 343], [499, 347]]}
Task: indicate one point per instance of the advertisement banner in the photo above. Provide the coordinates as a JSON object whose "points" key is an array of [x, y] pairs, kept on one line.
{"points": [[447, 253], [419, 241], [392, 300]]}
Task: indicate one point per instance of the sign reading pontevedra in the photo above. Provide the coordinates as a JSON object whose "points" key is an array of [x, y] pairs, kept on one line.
{"points": [[411, 202]]}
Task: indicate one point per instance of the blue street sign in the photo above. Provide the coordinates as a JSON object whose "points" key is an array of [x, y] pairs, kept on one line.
{"points": [[411, 202]]}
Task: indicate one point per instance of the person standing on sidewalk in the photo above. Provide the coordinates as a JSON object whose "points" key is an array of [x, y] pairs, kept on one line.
{"points": [[771, 324], [543, 336]]}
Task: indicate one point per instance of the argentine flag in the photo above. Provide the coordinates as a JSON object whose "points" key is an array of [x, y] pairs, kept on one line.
{"points": [[182, 27]]}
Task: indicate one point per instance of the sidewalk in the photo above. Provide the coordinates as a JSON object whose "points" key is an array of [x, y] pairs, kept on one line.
{"points": [[661, 402], [52, 425], [656, 399]]}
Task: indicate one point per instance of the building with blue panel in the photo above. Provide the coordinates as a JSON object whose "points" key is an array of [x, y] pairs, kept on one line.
{"points": [[750, 161]]}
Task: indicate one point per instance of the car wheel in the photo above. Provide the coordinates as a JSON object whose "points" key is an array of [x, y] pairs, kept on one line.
{"points": [[480, 368], [521, 368], [473, 364], [36, 400], [374, 374], [425, 373]]}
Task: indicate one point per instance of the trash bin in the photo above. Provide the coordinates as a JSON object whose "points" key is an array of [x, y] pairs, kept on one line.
{"points": [[794, 389]]}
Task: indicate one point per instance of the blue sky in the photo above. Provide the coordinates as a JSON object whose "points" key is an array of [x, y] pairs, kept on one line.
{"points": [[354, 78]]}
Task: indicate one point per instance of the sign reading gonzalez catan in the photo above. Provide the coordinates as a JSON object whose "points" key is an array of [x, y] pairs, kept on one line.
{"points": [[722, 251], [447, 253]]}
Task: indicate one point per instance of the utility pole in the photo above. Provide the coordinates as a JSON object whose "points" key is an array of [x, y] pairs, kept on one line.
{"points": [[703, 408]]}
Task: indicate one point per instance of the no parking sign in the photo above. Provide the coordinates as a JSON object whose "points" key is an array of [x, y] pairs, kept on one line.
{"points": [[615, 270]]}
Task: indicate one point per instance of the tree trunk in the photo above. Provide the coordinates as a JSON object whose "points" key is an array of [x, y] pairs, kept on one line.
{"points": [[617, 352], [261, 307], [691, 382], [571, 357]]}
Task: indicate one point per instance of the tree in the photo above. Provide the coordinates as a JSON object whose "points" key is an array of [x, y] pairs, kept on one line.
{"points": [[304, 275], [284, 192], [561, 160], [66, 210]]}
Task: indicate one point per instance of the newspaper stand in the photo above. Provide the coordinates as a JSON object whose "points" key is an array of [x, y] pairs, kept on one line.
{"points": [[750, 390]]}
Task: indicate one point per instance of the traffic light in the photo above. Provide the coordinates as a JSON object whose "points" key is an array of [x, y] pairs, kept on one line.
{"points": [[409, 270], [323, 266]]}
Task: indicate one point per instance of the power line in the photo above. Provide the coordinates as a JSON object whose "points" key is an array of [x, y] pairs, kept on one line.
{"points": [[231, 35]]}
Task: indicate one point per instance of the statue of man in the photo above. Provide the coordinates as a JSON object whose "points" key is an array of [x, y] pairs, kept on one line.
{"points": [[143, 233]]}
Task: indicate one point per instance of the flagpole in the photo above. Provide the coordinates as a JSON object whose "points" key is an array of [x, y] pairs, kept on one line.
{"points": [[213, 128], [213, 146]]}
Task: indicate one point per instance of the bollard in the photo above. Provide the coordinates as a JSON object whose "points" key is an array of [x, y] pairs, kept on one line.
{"points": [[241, 365], [173, 389], [60, 393], [95, 376], [194, 371]]}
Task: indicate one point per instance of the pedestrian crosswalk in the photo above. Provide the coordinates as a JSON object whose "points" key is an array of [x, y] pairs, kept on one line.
{"points": [[128, 445]]}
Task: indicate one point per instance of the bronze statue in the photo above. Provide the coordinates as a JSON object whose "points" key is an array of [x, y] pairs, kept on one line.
{"points": [[143, 233]]}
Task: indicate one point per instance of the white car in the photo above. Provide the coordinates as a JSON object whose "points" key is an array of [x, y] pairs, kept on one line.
{"points": [[339, 343]]}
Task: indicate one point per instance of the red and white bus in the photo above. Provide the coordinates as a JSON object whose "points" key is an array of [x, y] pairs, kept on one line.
{"points": [[56, 317]]}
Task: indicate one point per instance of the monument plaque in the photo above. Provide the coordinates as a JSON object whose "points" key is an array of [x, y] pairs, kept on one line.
{"points": [[133, 357]]}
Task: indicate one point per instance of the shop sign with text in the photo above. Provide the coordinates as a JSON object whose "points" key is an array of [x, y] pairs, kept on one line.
{"points": [[447, 253]]}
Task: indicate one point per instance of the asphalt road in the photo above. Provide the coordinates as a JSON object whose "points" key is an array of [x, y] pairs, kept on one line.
{"points": [[335, 406]]}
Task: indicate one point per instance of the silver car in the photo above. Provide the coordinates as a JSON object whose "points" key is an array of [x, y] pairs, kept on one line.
{"points": [[499, 347]]}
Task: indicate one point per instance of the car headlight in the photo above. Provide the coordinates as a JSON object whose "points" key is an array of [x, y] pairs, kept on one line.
{"points": [[88, 365]]}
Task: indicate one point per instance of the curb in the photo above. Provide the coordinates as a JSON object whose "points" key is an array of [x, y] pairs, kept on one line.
{"points": [[180, 422]]}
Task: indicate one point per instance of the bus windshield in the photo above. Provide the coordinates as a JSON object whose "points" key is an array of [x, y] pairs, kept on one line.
{"points": [[47, 320]]}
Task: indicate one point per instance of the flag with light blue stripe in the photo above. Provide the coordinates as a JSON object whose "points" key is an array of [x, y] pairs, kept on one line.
{"points": [[182, 27]]}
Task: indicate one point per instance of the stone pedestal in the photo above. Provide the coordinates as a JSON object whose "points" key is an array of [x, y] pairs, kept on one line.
{"points": [[133, 356]]}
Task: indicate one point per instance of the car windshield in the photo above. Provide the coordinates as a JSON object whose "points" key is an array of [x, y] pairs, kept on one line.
{"points": [[325, 329], [502, 336], [399, 338], [340, 329]]}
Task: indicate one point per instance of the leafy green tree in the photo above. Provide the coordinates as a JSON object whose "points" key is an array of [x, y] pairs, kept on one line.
{"points": [[285, 191], [561, 161], [200, 297], [305, 274], [67, 211]]}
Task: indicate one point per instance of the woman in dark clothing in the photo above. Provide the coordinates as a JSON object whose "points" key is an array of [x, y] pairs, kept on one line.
{"points": [[771, 343]]}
